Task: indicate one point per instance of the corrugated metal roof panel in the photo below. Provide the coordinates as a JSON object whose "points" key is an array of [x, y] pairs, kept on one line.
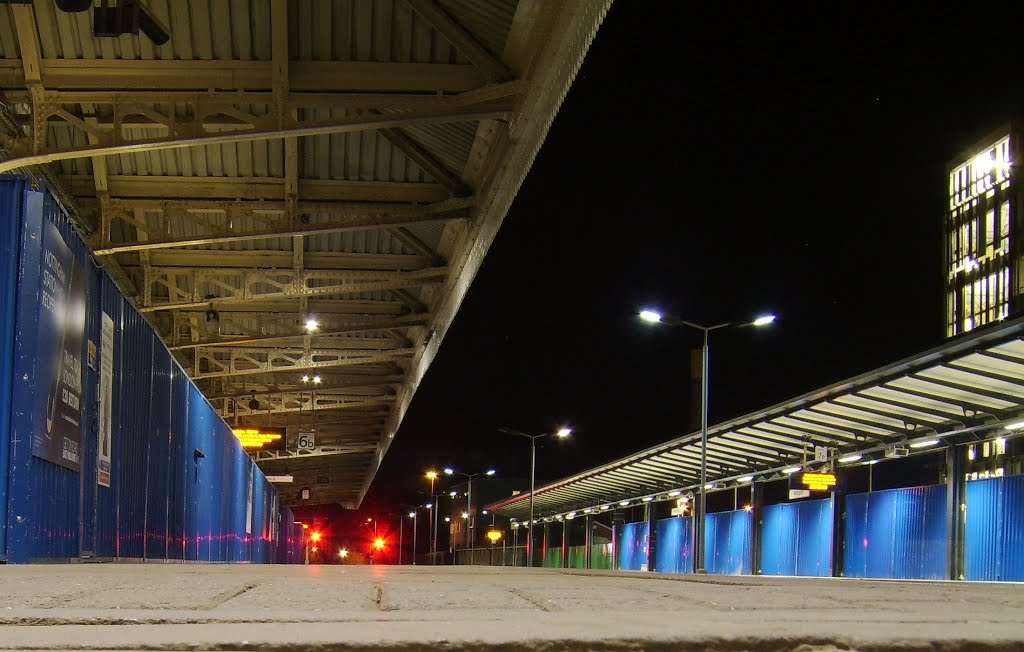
{"points": [[428, 233], [449, 143], [364, 30], [489, 21]]}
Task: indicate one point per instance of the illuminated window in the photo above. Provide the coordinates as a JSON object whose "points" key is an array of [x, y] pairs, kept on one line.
{"points": [[978, 239]]}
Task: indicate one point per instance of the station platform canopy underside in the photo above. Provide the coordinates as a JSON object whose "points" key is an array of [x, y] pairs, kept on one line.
{"points": [[297, 195], [958, 393]]}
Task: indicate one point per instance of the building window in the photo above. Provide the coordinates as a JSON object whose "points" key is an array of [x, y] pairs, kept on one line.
{"points": [[979, 239]]}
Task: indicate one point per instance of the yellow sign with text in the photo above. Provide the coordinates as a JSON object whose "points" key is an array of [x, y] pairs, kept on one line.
{"points": [[819, 481], [261, 439]]}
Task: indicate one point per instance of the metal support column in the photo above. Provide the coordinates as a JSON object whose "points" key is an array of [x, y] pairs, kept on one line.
{"points": [[757, 505], [956, 507], [652, 537], [838, 533], [545, 543], [588, 541], [565, 544]]}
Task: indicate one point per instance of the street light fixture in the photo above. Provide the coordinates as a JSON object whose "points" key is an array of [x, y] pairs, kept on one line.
{"points": [[469, 497], [413, 515], [432, 522], [561, 433], [657, 317]]}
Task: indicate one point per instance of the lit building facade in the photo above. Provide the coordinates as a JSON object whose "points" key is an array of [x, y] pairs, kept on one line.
{"points": [[983, 233]]}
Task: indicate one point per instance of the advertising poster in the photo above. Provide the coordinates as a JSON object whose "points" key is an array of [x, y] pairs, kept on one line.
{"points": [[248, 501], [59, 372], [106, 400]]}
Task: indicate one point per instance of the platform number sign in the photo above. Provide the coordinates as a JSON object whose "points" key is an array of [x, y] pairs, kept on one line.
{"points": [[307, 440]]}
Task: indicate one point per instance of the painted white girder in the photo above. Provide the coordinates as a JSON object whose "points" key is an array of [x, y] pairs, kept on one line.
{"points": [[216, 362], [203, 287], [236, 221]]}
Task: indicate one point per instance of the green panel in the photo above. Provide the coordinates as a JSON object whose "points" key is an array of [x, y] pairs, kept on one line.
{"points": [[601, 556], [554, 558], [577, 556]]}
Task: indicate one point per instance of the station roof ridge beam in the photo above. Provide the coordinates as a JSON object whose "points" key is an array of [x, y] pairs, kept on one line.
{"points": [[955, 393]]}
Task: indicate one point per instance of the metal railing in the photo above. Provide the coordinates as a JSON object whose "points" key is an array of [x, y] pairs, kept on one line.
{"points": [[491, 556]]}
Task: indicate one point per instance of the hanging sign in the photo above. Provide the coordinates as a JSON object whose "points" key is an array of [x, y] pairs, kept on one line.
{"points": [[261, 438], [814, 481], [307, 440]]}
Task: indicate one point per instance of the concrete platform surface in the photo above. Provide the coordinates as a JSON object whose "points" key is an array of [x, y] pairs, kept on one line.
{"points": [[193, 607]]}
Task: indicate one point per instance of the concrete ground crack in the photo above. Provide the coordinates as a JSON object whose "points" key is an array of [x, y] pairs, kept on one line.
{"points": [[540, 603], [227, 595], [378, 597]]}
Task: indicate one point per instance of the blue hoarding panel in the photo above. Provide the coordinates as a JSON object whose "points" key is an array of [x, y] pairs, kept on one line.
{"points": [[151, 497], [994, 530], [632, 546], [727, 542], [158, 445], [105, 513], [674, 552], [11, 196], [796, 539], [132, 440], [289, 546], [43, 498], [899, 534], [180, 459]]}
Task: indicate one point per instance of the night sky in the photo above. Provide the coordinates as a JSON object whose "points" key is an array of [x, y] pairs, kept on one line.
{"points": [[717, 162]]}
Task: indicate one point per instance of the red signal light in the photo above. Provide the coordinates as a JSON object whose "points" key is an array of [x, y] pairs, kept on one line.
{"points": [[314, 536], [378, 543]]}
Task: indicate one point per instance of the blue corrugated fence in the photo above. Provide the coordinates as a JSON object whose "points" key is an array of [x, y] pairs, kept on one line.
{"points": [[994, 530], [161, 500], [796, 538], [899, 534]]}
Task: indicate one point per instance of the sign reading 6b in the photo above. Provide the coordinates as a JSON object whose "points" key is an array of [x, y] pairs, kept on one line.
{"points": [[307, 440]]}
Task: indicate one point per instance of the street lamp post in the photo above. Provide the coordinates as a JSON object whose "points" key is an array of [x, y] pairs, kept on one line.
{"points": [[413, 515], [432, 515], [561, 433], [469, 498], [698, 515]]}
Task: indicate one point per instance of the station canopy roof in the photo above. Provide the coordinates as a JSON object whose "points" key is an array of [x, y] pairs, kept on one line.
{"points": [[966, 390], [241, 167]]}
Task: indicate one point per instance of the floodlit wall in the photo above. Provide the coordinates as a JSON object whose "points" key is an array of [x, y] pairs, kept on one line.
{"points": [[796, 539], [11, 195], [727, 542], [107, 449], [632, 545], [897, 534], [994, 531], [674, 549]]}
